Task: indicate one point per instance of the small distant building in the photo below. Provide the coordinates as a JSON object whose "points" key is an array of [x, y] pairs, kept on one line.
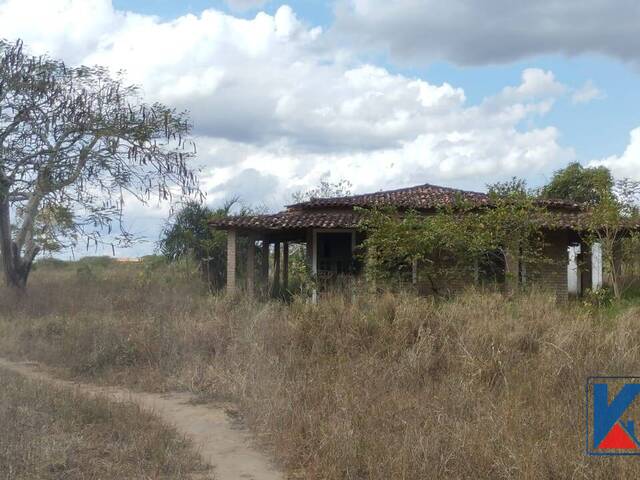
{"points": [[127, 260], [329, 229]]}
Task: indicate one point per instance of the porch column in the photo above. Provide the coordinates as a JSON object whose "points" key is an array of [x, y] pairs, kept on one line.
{"points": [[511, 269], [285, 266], [312, 259], [264, 272], [232, 246], [596, 267], [310, 247], [276, 268], [251, 265], [573, 272]]}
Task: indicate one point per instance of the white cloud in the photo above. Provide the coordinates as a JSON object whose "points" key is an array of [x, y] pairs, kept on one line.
{"points": [[626, 165], [244, 5], [587, 93], [69, 28], [491, 31], [276, 108]]}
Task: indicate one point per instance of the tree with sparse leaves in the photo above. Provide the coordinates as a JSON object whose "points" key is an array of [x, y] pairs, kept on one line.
{"points": [[326, 189], [75, 143]]}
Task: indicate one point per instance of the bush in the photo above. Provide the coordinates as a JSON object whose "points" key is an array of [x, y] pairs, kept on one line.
{"points": [[598, 299]]}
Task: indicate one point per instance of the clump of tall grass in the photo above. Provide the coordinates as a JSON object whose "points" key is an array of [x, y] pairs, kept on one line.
{"points": [[58, 434], [365, 386]]}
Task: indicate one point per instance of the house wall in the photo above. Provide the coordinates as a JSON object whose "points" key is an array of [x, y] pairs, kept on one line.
{"points": [[552, 273], [449, 285]]}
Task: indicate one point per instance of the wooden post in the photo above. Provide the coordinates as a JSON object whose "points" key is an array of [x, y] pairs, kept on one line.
{"points": [[285, 266], [251, 266], [309, 251], [232, 246], [312, 261], [265, 267], [276, 269]]}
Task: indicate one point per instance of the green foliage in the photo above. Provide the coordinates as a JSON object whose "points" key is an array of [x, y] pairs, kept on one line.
{"points": [[85, 272], [188, 235], [595, 300], [454, 240], [188, 232], [579, 184], [611, 222], [51, 263], [101, 261], [54, 227]]}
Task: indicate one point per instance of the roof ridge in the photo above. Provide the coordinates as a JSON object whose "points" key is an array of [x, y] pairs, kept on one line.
{"points": [[381, 192]]}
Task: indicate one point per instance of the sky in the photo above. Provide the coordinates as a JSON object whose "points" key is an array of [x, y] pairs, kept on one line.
{"points": [[384, 94]]}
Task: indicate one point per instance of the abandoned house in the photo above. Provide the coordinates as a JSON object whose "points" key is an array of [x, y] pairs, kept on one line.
{"points": [[329, 229]]}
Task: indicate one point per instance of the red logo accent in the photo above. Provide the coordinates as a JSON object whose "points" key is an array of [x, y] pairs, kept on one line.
{"points": [[617, 439]]}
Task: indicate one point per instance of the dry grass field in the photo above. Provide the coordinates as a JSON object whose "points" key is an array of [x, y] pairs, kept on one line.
{"points": [[49, 433], [377, 387]]}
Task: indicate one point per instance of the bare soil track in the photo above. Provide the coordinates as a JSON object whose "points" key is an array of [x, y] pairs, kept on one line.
{"points": [[220, 443]]}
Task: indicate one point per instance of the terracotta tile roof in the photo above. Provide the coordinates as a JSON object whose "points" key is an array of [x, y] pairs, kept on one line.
{"points": [[290, 221], [419, 197], [578, 221], [422, 197]]}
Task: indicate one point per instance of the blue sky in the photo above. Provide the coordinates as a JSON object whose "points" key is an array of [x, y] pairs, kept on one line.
{"points": [[314, 11], [383, 94]]}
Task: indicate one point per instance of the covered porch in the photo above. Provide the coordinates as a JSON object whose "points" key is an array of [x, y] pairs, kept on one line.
{"points": [[327, 243]]}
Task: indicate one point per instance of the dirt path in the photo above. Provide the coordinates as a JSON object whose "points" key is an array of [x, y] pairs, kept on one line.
{"points": [[227, 447]]}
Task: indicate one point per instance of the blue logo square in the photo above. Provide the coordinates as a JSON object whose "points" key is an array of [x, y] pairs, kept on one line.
{"points": [[612, 408]]}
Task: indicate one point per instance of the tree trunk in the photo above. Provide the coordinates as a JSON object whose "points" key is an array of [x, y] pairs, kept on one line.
{"points": [[16, 269]]}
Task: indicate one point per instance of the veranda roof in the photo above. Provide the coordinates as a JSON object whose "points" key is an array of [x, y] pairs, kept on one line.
{"points": [[338, 212], [299, 220], [289, 220]]}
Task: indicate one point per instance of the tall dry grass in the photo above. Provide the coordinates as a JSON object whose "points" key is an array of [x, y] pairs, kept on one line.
{"points": [[48, 433], [371, 387]]}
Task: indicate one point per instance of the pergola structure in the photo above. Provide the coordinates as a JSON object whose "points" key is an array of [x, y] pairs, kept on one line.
{"points": [[277, 232], [329, 229]]}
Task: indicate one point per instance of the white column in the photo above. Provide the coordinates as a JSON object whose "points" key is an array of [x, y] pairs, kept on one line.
{"points": [[573, 273], [596, 267]]}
